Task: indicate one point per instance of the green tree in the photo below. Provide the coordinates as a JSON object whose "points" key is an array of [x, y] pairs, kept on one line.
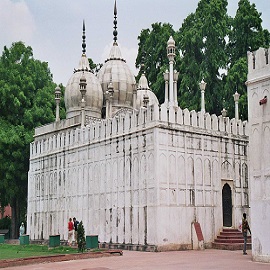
{"points": [[235, 81], [81, 238], [27, 101], [246, 34], [94, 67], [5, 223], [190, 43], [153, 54], [202, 42]]}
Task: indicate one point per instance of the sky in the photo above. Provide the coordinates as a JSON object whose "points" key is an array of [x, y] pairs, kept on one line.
{"points": [[53, 28]]}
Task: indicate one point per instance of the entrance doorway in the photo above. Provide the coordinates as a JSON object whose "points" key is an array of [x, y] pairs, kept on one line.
{"points": [[227, 205]]}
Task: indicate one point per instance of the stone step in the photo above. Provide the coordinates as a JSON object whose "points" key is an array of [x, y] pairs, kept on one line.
{"points": [[231, 236], [230, 233], [230, 230], [230, 246], [232, 240]]}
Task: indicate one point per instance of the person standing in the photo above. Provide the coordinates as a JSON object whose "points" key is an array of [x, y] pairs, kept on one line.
{"points": [[245, 228], [70, 231], [75, 223], [22, 229]]}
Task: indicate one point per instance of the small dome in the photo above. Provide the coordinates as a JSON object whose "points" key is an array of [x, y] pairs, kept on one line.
{"points": [[93, 97], [143, 83], [171, 41], [116, 71], [143, 92]]}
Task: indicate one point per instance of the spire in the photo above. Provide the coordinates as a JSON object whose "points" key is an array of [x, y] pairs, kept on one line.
{"points": [[143, 63], [115, 24], [83, 39]]}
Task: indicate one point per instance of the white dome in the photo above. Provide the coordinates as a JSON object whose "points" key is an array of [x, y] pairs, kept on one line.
{"points": [[171, 42], [93, 97], [144, 91], [116, 71]]}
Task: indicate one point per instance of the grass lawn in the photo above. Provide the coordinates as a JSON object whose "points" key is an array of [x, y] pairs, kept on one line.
{"points": [[8, 251]]}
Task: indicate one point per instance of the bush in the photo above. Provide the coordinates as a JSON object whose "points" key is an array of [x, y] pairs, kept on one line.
{"points": [[5, 223], [81, 238]]}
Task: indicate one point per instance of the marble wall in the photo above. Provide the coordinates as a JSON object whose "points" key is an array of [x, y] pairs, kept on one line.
{"points": [[258, 84], [140, 178]]}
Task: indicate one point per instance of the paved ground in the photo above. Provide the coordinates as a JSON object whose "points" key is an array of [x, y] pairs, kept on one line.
{"points": [[134, 260]]}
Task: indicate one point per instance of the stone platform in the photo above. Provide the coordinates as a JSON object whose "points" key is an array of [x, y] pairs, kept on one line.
{"points": [[57, 258], [173, 260]]}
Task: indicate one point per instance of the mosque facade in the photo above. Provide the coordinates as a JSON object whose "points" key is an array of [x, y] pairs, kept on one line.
{"points": [[139, 174]]}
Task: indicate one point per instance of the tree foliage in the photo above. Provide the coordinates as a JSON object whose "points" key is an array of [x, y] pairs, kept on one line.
{"points": [[202, 41], [246, 31], [81, 238], [190, 44], [211, 46], [94, 67], [153, 54], [27, 101], [246, 34], [5, 223]]}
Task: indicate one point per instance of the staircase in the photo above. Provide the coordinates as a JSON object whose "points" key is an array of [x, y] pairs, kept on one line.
{"points": [[231, 239]]}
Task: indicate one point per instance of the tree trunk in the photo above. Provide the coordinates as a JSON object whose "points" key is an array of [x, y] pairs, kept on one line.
{"points": [[15, 219], [2, 211]]}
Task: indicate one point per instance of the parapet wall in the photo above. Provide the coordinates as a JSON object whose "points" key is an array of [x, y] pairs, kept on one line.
{"points": [[55, 138]]}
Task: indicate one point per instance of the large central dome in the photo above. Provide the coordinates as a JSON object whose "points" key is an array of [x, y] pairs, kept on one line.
{"points": [[116, 71], [93, 96]]}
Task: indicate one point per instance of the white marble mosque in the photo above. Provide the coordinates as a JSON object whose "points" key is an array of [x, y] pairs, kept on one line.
{"points": [[140, 174]]}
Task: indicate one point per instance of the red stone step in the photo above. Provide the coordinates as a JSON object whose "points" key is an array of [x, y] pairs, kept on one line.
{"points": [[230, 246], [230, 236], [231, 230], [228, 241], [231, 239], [230, 233]]}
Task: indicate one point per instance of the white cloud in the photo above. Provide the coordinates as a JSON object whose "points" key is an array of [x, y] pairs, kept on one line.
{"points": [[16, 22]]}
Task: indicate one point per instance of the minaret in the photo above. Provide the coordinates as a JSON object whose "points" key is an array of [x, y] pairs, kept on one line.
{"points": [[202, 88], [145, 100], [175, 79], [115, 24], [224, 112], [134, 87], [171, 55], [83, 91], [83, 40], [57, 93], [108, 97], [83, 79], [166, 79], [236, 99], [145, 96]]}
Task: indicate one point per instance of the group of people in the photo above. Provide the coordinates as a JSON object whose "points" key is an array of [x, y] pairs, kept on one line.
{"points": [[72, 230]]}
